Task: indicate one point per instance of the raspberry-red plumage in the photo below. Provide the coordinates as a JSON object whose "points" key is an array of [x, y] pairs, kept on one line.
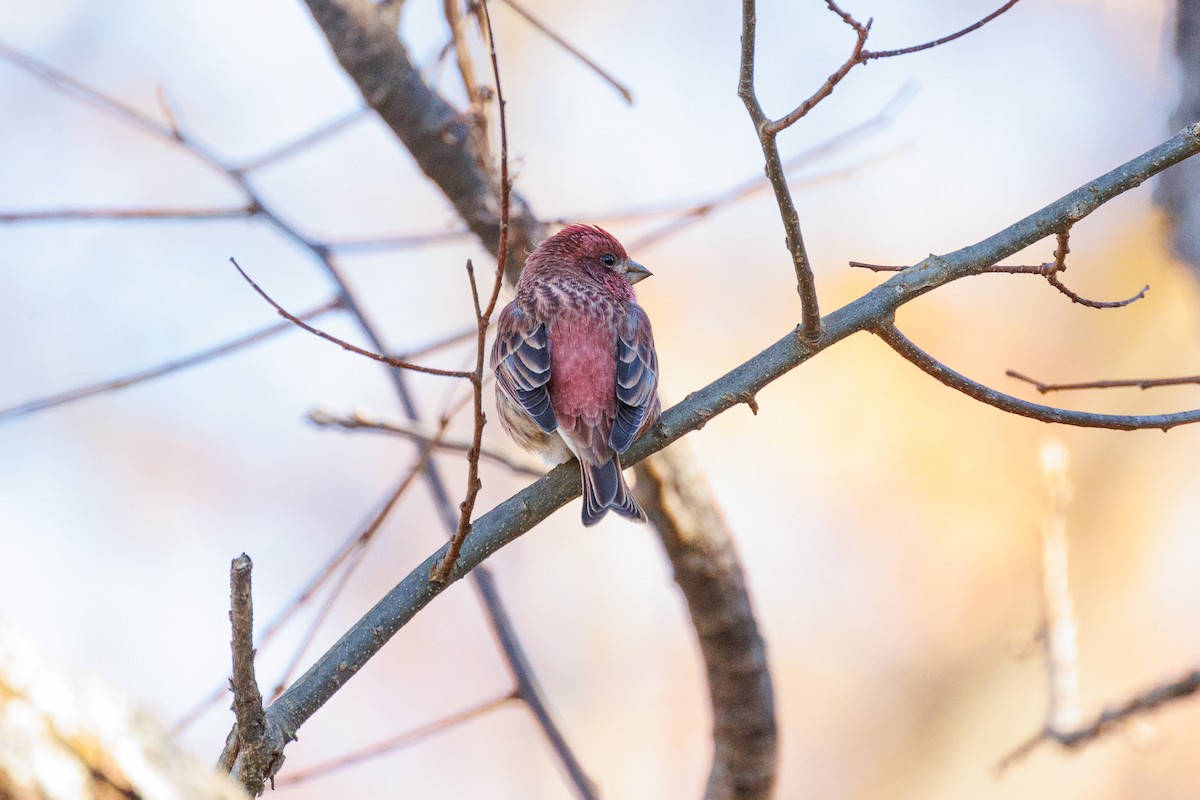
{"points": [[575, 362]]}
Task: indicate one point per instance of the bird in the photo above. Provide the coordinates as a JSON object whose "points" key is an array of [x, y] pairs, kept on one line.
{"points": [[575, 364]]}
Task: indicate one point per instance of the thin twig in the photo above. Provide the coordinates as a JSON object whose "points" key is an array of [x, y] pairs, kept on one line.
{"points": [[476, 94], [159, 371], [889, 333], [395, 743], [1139, 383], [356, 542], [358, 421], [386, 79], [937, 42], [124, 214], [600, 72], [305, 141], [1048, 270], [1152, 699], [483, 317], [363, 544], [390, 361], [1053, 280], [805, 281], [861, 32]]}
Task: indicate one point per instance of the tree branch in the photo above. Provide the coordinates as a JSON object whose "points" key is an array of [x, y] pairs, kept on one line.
{"points": [[434, 132], [1014, 405], [680, 505], [507, 521], [245, 755], [1153, 698], [1140, 383]]}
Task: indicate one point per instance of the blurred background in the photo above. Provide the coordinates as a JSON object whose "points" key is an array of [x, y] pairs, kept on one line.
{"points": [[888, 525]]}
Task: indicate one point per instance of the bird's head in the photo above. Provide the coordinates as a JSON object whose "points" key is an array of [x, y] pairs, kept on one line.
{"points": [[594, 251]]}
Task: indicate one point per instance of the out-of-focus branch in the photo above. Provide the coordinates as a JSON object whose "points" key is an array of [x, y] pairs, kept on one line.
{"points": [[174, 365], [395, 743], [1110, 718], [124, 214], [591, 64], [357, 421], [1178, 192], [67, 736], [438, 137], [1063, 718], [680, 505]]}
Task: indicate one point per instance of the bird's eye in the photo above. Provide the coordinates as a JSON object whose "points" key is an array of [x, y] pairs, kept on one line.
{"points": [[608, 259]]}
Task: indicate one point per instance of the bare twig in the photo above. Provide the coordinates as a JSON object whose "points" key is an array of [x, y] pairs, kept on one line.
{"points": [[358, 421], [476, 94], [124, 214], [805, 281], [1048, 270], [1013, 405], [600, 72], [1139, 383], [768, 130], [301, 143], [872, 54], [396, 742], [484, 318], [1152, 699], [390, 361], [391, 85], [246, 756], [349, 549], [363, 543], [159, 371], [1083, 301]]}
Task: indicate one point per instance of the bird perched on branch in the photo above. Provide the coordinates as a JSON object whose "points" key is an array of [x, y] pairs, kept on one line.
{"points": [[576, 371]]}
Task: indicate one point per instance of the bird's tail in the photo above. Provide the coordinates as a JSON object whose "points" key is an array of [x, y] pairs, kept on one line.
{"points": [[604, 488]]}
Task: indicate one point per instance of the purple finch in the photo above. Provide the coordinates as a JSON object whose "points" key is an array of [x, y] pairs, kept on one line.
{"points": [[576, 371]]}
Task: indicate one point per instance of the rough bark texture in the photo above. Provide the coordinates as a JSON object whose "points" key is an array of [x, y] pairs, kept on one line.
{"points": [[1179, 190], [680, 505], [437, 135]]}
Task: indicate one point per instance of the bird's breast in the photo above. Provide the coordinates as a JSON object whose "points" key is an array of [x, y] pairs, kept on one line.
{"points": [[583, 368]]}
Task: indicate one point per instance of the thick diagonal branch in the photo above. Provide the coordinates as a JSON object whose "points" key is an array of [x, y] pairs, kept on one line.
{"points": [[507, 521]]}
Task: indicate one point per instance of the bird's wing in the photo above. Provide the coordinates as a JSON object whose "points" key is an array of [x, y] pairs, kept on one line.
{"points": [[521, 360], [637, 378]]}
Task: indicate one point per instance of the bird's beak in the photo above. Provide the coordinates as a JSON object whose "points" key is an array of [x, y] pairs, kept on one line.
{"points": [[635, 272]]}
